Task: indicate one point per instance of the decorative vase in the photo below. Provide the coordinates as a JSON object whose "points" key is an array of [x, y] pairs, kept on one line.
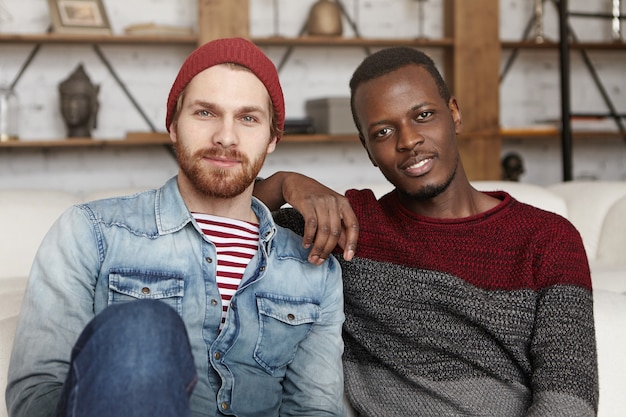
{"points": [[325, 19]]}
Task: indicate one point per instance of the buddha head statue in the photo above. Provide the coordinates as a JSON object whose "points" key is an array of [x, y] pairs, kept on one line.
{"points": [[79, 103]]}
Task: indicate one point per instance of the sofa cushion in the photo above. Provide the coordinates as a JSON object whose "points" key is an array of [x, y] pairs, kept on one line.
{"points": [[534, 195], [25, 217], [608, 276], [588, 203], [612, 240]]}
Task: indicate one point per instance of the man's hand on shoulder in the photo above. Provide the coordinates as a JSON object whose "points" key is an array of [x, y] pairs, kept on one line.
{"points": [[328, 216]]}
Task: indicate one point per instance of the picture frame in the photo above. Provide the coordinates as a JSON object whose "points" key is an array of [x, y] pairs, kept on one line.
{"points": [[79, 17]]}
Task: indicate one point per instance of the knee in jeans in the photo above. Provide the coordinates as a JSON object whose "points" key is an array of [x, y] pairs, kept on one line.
{"points": [[142, 323]]}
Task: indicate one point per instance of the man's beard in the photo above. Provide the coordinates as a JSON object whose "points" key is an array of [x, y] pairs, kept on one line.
{"points": [[431, 191], [217, 182]]}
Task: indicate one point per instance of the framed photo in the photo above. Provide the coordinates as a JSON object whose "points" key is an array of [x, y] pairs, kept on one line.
{"points": [[79, 16]]}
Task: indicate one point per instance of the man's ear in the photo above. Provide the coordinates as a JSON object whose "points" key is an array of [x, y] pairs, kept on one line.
{"points": [[272, 145], [455, 112], [173, 133]]}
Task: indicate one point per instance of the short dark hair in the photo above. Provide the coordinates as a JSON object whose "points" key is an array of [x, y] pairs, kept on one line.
{"points": [[389, 60]]}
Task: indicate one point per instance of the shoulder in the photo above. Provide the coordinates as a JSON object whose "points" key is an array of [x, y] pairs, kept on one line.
{"points": [[538, 219], [121, 206], [287, 246], [555, 242], [541, 229], [137, 212]]}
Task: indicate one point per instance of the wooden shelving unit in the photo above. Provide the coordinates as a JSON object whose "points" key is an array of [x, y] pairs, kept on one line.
{"points": [[532, 133], [470, 30]]}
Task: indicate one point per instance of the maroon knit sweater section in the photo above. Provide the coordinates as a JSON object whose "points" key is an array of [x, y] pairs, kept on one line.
{"points": [[501, 249], [489, 315]]}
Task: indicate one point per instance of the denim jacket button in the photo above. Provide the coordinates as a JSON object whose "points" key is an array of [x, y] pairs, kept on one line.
{"points": [[214, 302], [291, 316], [145, 290], [208, 259], [217, 355], [224, 406]]}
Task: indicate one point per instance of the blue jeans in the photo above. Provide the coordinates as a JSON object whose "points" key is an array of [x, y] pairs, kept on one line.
{"points": [[132, 359]]}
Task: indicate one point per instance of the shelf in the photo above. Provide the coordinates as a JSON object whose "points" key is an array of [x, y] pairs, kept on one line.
{"points": [[57, 38], [60, 38], [350, 42], [554, 133], [162, 139], [597, 46], [152, 139], [85, 142]]}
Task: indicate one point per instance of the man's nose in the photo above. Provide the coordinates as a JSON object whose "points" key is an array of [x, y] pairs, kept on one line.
{"points": [[409, 138], [226, 134]]}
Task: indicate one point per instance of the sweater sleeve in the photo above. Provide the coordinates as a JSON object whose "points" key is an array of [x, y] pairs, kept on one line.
{"points": [[563, 348]]}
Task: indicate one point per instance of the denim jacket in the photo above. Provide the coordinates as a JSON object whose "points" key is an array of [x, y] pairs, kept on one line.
{"points": [[279, 352]]}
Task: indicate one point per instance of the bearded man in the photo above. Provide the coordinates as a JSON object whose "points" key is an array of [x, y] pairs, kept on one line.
{"points": [[185, 300]]}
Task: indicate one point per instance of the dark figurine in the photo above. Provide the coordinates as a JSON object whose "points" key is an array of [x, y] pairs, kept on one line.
{"points": [[512, 167], [79, 103]]}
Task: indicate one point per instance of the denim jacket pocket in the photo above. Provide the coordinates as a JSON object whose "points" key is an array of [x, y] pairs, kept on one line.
{"points": [[283, 323], [131, 284]]}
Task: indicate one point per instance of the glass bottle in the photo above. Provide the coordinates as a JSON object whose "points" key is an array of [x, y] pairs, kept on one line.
{"points": [[9, 115]]}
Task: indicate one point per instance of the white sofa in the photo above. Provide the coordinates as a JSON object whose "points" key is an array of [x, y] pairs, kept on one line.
{"points": [[597, 209]]}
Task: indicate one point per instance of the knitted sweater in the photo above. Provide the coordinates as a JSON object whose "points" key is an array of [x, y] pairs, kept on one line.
{"points": [[490, 315]]}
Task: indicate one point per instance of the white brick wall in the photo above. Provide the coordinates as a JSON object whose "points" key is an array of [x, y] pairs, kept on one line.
{"points": [[529, 93]]}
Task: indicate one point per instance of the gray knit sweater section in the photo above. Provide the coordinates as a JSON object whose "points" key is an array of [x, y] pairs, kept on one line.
{"points": [[423, 343]]}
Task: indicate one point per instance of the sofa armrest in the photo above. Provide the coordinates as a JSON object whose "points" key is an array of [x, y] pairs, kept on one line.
{"points": [[588, 203], [610, 316], [612, 239]]}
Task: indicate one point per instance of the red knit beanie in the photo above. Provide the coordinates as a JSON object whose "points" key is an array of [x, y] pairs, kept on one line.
{"points": [[231, 50]]}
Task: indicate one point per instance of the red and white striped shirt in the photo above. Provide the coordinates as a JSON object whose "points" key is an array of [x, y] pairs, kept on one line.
{"points": [[236, 243]]}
